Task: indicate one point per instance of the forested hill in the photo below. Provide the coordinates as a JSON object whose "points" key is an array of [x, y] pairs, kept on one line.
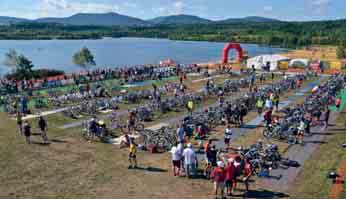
{"points": [[285, 34], [179, 19]]}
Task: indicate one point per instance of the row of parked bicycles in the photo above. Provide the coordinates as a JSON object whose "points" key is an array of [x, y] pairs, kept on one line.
{"points": [[57, 98], [264, 157], [217, 114], [308, 113]]}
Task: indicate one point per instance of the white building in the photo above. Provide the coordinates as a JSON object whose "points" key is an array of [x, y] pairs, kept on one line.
{"points": [[262, 60]]}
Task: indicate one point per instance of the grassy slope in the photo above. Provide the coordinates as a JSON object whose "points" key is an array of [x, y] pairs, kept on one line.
{"points": [[312, 182], [75, 169]]}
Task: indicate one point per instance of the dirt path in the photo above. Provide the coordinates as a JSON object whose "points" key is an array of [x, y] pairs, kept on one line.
{"points": [[283, 179], [237, 132]]}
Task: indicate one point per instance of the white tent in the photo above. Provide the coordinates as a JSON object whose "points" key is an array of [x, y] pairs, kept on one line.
{"points": [[299, 62], [262, 60]]}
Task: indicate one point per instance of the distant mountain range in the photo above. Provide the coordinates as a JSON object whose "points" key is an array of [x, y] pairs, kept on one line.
{"points": [[10, 20], [179, 19], [115, 19]]}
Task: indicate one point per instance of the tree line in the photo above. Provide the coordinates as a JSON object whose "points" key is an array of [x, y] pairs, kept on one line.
{"points": [[283, 34]]}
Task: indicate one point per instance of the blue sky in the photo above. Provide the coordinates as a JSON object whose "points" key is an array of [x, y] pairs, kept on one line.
{"points": [[299, 10]]}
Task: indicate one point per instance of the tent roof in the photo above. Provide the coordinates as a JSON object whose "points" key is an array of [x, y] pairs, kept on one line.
{"points": [[274, 57], [305, 61]]}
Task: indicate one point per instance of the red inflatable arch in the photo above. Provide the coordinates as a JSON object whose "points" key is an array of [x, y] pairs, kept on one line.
{"points": [[226, 49]]}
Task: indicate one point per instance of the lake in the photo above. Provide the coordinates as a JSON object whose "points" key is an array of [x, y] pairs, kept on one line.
{"points": [[57, 54]]}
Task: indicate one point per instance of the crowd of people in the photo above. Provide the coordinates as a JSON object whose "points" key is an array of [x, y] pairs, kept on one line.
{"points": [[128, 74]]}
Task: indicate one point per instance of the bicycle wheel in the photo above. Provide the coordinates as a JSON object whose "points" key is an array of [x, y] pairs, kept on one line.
{"points": [[139, 127]]}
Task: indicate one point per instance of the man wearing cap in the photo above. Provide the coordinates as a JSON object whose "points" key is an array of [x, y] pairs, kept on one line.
{"points": [[219, 176], [189, 160]]}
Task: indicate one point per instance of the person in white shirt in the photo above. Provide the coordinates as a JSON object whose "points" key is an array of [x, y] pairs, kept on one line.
{"points": [[190, 160], [228, 136], [269, 104], [176, 159]]}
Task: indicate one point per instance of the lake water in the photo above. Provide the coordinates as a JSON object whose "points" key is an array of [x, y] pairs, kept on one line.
{"points": [[57, 54]]}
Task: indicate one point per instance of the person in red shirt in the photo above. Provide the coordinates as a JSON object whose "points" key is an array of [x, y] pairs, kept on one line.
{"points": [[247, 174], [219, 176], [230, 176], [268, 117]]}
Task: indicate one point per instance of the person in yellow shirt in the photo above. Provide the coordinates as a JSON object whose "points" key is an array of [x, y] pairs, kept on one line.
{"points": [[190, 106], [132, 154]]}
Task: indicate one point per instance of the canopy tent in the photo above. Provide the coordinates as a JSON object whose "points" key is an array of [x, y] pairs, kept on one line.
{"points": [[261, 61], [298, 63]]}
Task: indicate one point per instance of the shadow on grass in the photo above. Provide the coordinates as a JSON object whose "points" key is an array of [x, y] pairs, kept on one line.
{"points": [[265, 194], [337, 130], [40, 143], [58, 141], [315, 142], [151, 169]]}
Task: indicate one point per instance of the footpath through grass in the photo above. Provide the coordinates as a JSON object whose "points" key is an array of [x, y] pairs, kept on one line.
{"points": [[313, 181]]}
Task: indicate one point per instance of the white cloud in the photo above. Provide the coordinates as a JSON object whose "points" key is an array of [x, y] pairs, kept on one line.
{"points": [[64, 8], [268, 8], [320, 2], [319, 7], [177, 7], [130, 5], [58, 4]]}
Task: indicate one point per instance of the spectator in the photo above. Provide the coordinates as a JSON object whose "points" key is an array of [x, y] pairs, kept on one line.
{"points": [[268, 103], [247, 175], [219, 176], [180, 148], [180, 133], [326, 117], [176, 158], [190, 106], [243, 113], [268, 117], [92, 128], [301, 131], [20, 123], [337, 102], [228, 136], [42, 124], [131, 120], [190, 161], [237, 164], [230, 176], [133, 154], [276, 101], [259, 105], [212, 156], [27, 131]]}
